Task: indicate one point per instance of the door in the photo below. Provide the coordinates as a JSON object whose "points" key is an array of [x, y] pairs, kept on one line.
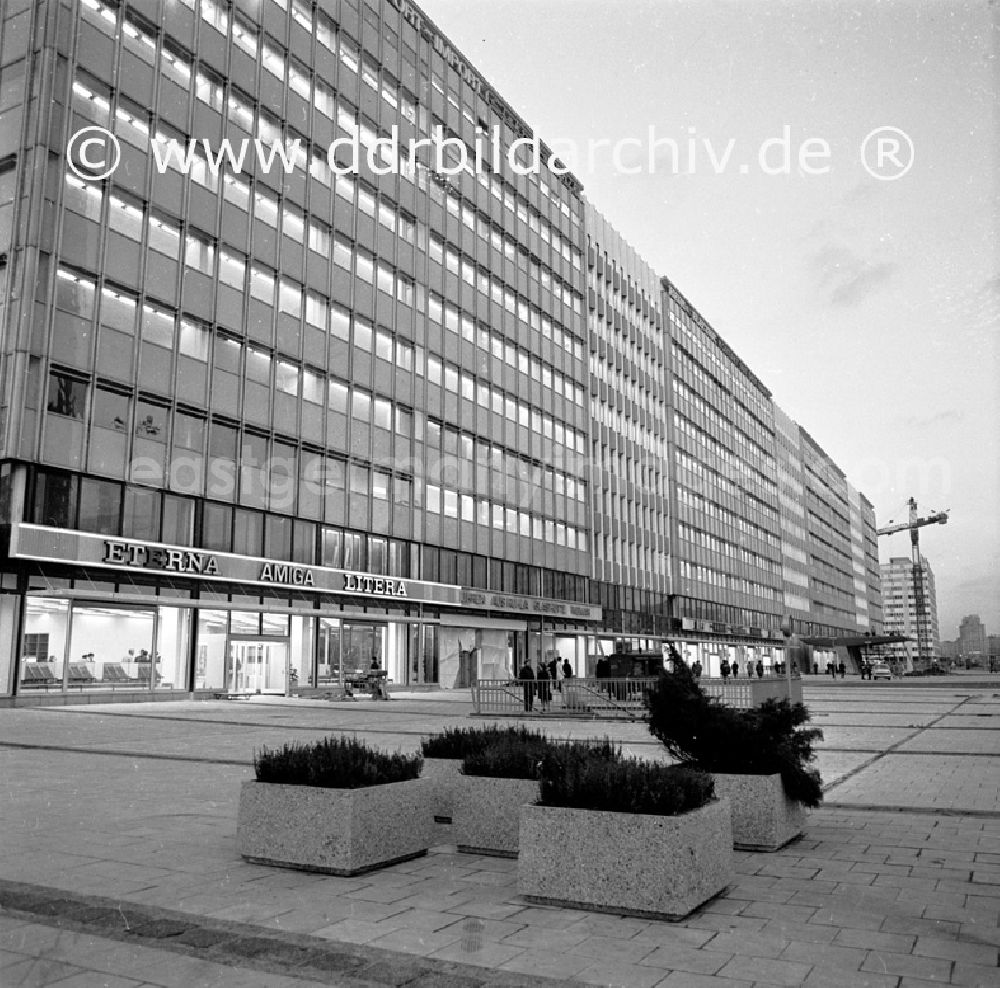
{"points": [[257, 665]]}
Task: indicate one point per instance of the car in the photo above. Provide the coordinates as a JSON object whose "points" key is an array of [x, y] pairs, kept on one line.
{"points": [[881, 671]]}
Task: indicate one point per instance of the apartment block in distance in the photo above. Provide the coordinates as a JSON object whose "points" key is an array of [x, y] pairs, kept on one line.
{"points": [[260, 429], [903, 617]]}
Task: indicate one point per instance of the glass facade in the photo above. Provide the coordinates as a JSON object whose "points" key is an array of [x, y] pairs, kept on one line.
{"points": [[466, 380]]}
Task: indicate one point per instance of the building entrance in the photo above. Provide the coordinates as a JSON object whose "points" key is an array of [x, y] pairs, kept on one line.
{"points": [[257, 665]]}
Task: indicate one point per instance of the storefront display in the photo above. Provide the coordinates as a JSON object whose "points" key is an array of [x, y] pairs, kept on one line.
{"points": [[137, 618]]}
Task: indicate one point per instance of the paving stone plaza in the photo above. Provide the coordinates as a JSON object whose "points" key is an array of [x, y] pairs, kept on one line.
{"points": [[118, 861]]}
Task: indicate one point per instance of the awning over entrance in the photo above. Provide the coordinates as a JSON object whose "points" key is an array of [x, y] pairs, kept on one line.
{"points": [[855, 641]]}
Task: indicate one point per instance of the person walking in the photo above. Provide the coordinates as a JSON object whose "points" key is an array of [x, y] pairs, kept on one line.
{"points": [[736, 669], [567, 669], [544, 686], [696, 668], [527, 678], [724, 669], [842, 669], [760, 669], [553, 668]]}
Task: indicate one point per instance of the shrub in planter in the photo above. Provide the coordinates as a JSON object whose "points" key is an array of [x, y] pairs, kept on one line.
{"points": [[619, 835], [581, 776], [495, 781], [443, 753], [335, 806], [457, 742], [767, 741], [334, 763]]}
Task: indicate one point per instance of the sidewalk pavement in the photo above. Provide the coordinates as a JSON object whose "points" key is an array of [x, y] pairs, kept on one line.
{"points": [[118, 863]]}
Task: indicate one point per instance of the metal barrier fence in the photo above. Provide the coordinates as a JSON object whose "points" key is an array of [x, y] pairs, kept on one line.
{"points": [[747, 693], [613, 698]]}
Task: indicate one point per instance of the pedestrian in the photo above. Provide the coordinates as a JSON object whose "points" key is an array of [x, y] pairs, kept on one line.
{"points": [[527, 678], [724, 669], [736, 669], [543, 684], [760, 669], [830, 670], [553, 668], [815, 668], [567, 670], [842, 669], [696, 668]]}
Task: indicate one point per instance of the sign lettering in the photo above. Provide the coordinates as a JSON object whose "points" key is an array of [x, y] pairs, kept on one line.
{"points": [[298, 576], [375, 586], [156, 557]]}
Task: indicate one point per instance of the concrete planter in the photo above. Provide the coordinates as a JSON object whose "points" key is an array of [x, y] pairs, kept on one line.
{"points": [[444, 774], [487, 816], [336, 831], [660, 867], [764, 818]]}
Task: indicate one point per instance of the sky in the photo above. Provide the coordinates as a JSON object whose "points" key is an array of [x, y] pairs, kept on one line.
{"points": [[869, 306]]}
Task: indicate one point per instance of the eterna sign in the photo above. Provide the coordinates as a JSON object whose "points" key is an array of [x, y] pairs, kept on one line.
{"points": [[157, 557]]}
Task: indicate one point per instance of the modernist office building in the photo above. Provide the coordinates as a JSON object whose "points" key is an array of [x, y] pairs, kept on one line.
{"points": [[275, 423], [272, 422], [715, 514]]}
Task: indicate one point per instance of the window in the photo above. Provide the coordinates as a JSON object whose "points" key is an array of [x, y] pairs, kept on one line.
{"points": [[84, 198], [290, 297], [209, 90], [164, 236], [262, 284], [292, 223], [199, 254], [365, 266], [299, 79], [265, 209], [67, 396], [245, 34], [320, 238], [385, 278], [232, 269], [216, 13], [273, 60], [236, 192]]}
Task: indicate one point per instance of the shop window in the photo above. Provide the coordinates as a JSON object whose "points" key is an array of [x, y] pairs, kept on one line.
{"points": [[100, 507], [210, 650], [43, 647]]}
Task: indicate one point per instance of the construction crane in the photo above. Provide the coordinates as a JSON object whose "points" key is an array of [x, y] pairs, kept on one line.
{"points": [[914, 524]]}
